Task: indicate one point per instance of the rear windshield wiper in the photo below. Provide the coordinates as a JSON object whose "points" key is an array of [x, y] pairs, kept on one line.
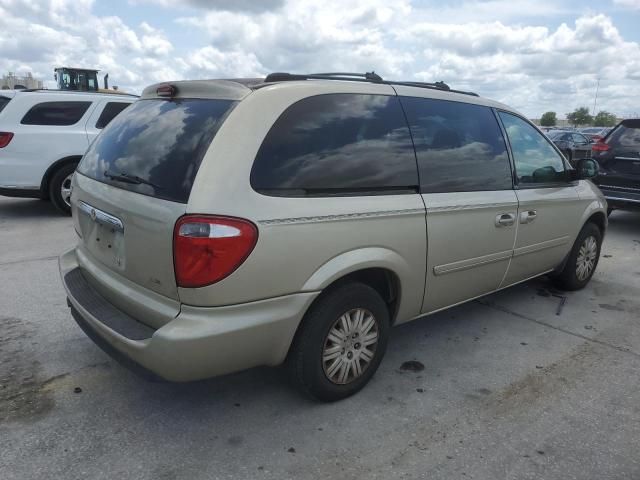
{"points": [[133, 179]]}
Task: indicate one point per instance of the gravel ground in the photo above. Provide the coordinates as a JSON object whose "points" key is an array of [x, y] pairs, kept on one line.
{"points": [[509, 388]]}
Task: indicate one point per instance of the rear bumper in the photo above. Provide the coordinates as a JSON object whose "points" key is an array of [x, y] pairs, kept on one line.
{"points": [[198, 343], [620, 198]]}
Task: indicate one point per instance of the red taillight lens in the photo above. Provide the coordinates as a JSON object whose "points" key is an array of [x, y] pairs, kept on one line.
{"points": [[166, 90], [5, 138], [207, 249], [600, 147]]}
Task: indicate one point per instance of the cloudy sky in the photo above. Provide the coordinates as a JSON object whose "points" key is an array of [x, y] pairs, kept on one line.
{"points": [[535, 55]]}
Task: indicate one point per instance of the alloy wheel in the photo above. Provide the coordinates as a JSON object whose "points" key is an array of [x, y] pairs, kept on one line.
{"points": [[586, 261], [350, 346]]}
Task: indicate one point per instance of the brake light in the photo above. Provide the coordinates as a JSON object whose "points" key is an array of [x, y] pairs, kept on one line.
{"points": [[166, 90], [207, 248], [5, 138], [600, 147]]}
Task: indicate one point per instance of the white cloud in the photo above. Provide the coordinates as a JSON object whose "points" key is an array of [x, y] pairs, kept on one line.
{"points": [[232, 5], [483, 46], [634, 4], [36, 36]]}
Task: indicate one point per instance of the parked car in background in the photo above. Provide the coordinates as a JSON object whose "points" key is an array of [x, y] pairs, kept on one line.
{"points": [[595, 133], [619, 157], [43, 135], [308, 179], [572, 144]]}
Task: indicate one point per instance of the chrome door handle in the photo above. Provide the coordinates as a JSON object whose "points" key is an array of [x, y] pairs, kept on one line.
{"points": [[505, 219], [528, 216]]}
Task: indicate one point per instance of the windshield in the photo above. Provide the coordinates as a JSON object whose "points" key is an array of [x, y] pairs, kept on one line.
{"points": [[155, 146]]}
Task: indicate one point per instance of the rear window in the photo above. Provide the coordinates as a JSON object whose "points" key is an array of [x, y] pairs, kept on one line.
{"points": [[155, 147], [337, 144], [110, 111], [3, 102], [625, 135], [55, 113]]}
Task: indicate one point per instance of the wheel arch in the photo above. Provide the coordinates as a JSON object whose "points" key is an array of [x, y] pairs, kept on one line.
{"points": [[596, 213], [48, 174], [380, 268], [599, 219]]}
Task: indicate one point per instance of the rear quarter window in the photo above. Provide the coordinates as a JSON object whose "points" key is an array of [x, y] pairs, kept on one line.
{"points": [[337, 144], [109, 112], [3, 102], [55, 113], [157, 144]]}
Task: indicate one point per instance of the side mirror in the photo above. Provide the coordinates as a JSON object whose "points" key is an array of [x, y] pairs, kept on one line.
{"points": [[586, 168]]}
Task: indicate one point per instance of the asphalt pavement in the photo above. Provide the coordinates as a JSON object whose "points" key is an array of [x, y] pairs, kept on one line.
{"points": [[513, 387]]}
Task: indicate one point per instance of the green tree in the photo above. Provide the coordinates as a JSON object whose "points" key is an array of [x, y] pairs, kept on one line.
{"points": [[580, 116], [548, 119], [604, 119]]}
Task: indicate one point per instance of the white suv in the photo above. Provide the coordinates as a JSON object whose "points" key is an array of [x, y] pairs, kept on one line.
{"points": [[43, 135]]}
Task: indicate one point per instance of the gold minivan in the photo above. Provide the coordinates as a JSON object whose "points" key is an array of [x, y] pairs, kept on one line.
{"points": [[227, 224]]}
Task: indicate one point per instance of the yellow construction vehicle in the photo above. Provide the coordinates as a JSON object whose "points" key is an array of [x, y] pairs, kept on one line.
{"points": [[81, 80]]}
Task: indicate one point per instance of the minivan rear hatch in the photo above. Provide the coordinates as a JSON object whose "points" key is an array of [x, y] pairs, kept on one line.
{"points": [[135, 180]]}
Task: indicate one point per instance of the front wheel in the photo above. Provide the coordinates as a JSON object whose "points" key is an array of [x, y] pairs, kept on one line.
{"points": [[60, 187], [341, 342], [582, 260]]}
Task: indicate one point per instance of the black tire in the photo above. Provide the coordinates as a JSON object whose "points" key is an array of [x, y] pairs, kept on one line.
{"points": [[609, 210], [305, 361], [568, 278], [55, 185]]}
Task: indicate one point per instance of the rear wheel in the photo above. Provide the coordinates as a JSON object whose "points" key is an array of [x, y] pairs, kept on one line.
{"points": [[582, 260], [60, 187], [340, 343]]}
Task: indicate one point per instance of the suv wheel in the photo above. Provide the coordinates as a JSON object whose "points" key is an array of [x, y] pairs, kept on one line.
{"points": [[582, 260], [340, 343], [60, 187]]}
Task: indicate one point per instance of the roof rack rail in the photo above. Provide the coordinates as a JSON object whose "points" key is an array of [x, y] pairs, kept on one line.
{"points": [[372, 77], [363, 77]]}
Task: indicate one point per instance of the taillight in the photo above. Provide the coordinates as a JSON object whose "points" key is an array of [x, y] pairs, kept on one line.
{"points": [[166, 90], [207, 249], [600, 147], [5, 138]]}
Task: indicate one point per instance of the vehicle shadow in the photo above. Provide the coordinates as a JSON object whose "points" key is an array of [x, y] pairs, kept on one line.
{"points": [[625, 221], [27, 208], [270, 386]]}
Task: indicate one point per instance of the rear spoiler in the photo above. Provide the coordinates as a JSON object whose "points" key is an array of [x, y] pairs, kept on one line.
{"points": [[214, 89]]}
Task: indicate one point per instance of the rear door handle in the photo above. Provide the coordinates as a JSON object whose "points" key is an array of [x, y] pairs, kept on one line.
{"points": [[528, 216], [505, 219]]}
